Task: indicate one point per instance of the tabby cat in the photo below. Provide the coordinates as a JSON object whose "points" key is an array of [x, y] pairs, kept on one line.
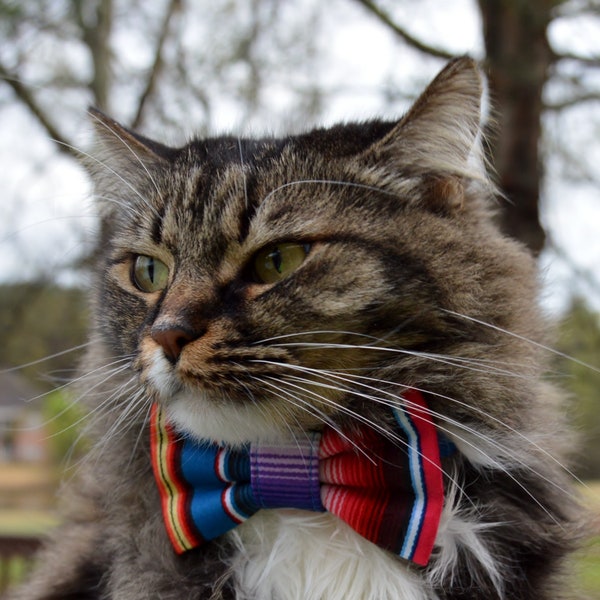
{"points": [[257, 292]]}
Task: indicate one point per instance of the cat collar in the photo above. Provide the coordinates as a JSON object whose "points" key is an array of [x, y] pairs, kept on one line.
{"points": [[387, 487]]}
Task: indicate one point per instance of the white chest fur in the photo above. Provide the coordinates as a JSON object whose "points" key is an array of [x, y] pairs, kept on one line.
{"points": [[296, 555]]}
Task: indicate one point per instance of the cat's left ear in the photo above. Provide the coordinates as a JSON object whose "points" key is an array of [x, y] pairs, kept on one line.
{"points": [[439, 137]]}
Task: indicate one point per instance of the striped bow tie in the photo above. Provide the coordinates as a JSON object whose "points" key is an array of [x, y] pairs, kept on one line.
{"points": [[389, 491]]}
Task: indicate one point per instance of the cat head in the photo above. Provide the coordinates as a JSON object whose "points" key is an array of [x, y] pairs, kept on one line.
{"points": [[262, 286]]}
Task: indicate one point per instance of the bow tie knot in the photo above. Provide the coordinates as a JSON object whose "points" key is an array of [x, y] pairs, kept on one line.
{"points": [[387, 487]]}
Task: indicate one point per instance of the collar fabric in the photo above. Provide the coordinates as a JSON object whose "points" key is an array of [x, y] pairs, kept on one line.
{"points": [[388, 488]]}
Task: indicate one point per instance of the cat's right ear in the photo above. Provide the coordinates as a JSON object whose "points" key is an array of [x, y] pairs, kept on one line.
{"points": [[119, 153], [439, 139], [441, 130]]}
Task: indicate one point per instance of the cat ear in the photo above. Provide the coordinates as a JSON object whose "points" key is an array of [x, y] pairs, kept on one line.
{"points": [[119, 153], [439, 136]]}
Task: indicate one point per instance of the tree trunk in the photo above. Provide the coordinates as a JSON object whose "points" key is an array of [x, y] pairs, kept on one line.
{"points": [[518, 61], [96, 30]]}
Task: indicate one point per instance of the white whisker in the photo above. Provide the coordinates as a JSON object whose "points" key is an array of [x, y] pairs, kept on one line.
{"points": [[396, 400], [46, 358], [305, 405], [525, 339], [246, 200], [463, 363], [494, 443]]}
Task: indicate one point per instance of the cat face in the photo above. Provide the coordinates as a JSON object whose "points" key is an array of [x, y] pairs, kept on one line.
{"points": [[263, 287]]}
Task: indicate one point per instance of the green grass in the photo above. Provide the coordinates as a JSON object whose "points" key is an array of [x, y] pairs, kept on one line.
{"points": [[587, 560], [21, 522], [16, 570], [26, 522], [587, 568]]}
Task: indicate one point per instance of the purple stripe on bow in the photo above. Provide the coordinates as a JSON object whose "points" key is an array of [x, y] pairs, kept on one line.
{"points": [[287, 476]]}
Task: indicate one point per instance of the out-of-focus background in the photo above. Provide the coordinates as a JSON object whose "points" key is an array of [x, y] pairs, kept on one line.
{"points": [[173, 68]]}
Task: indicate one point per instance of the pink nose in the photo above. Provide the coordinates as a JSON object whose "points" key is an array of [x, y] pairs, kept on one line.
{"points": [[173, 339]]}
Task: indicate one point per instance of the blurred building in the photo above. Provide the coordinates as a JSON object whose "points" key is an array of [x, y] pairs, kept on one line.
{"points": [[22, 435]]}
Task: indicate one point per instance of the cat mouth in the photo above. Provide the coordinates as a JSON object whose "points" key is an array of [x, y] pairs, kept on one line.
{"points": [[226, 401]]}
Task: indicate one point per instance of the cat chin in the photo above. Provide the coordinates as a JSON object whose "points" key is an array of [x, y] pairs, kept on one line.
{"points": [[205, 417], [232, 424]]}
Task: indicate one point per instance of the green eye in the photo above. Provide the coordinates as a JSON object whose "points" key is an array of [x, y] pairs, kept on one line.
{"points": [[273, 263], [149, 274]]}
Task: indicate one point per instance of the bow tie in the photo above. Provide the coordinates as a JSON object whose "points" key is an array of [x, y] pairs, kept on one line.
{"points": [[388, 488]]}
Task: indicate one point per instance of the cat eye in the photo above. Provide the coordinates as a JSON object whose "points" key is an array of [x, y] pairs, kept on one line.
{"points": [[274, 263], [149, 274]]}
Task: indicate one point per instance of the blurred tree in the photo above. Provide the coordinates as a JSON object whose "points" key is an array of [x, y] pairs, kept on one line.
{"points": [[580, 339], [519, 58], [520, 62], [64, 423], [174, 61], [41, 322], [171, 61]]}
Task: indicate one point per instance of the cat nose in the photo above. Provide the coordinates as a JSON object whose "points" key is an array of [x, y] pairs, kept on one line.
{"points": [[173, 339]]}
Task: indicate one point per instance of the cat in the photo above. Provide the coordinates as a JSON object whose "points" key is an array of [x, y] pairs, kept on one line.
{"points": [[256, 290]]}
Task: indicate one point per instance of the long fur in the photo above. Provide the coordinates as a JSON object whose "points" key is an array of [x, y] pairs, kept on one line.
{"points": [[406, 282], [287, 555]]}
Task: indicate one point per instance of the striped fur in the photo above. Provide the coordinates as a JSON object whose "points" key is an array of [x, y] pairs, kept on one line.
{"points": [[402, 281]]}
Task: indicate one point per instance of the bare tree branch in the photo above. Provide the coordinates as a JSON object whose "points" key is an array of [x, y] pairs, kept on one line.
{"points": [[96, 36], [576, 9], [399, 31], [588, 61], [23, 93], [575, 101], [150, 87], [581, 273]]}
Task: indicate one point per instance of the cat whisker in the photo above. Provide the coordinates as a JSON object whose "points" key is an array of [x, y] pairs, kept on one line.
{"points": [[259, 405], [306, 406], [475, 361], [109, 403], [101, 445], [360, 418], [289, 414], [524, 339], [439, 358], [46, 358], [395, 400], [115, 395], [347, 411], [71, 382], [128, 207], [297, 401], [313, 411], [145, 411], [313, 333], [73, 403], [495, 463], [244, 179], [132, 406]]}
